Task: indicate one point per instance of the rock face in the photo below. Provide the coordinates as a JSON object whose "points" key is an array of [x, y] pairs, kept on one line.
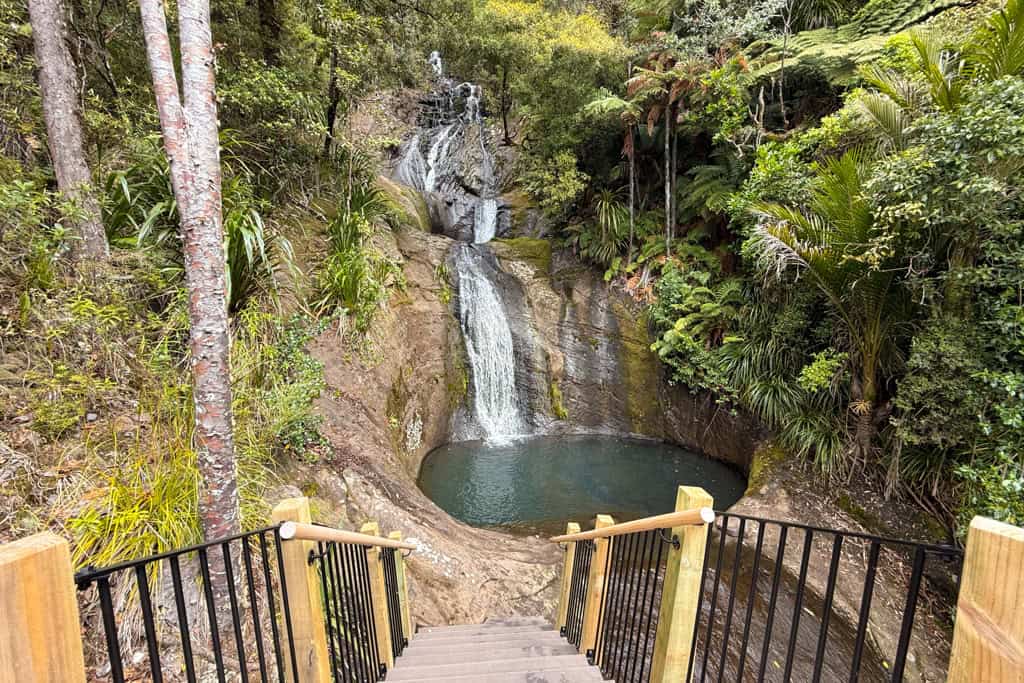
{"points": [[384, 409], [585, 362]]}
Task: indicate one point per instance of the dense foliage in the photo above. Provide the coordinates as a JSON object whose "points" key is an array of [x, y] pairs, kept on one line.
{"points": [[854, 280], [846, 265]]}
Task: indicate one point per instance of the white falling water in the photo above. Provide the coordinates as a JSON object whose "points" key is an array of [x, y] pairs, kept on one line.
{"points": [[412, 168], [431, 161], [489, 347], [485, 221], [472, 113], [437, 154], [435, 63]]}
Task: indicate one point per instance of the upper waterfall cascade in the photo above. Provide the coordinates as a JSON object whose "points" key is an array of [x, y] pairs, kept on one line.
{"points": [[441, 160]]}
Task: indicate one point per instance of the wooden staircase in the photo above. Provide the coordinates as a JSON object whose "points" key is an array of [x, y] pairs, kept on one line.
{"points": [[512, 650]]}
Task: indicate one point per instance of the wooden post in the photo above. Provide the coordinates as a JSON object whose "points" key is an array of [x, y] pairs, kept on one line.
{"points": [[563, 593], [988, 639], [595, 587], [304, 598], [680, 597], [379, 598], [403, 587], [40, 634]]}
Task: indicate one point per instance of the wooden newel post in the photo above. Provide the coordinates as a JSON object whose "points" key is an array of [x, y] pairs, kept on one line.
{"points": [[563, 592], [304, 598], [40, 634], [595, 587], [379, 598], [403, 587], [680, 598], [988, 639]]}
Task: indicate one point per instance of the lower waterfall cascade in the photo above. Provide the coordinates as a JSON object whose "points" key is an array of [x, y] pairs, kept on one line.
{"points": [[449, 118]]}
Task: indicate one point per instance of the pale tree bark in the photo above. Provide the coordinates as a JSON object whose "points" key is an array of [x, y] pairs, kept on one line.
{"points": [[63, 116], [191, 142]]}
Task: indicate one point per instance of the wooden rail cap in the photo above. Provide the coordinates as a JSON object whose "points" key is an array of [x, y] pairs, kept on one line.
{"points": [[311, 532], [670, 520]]}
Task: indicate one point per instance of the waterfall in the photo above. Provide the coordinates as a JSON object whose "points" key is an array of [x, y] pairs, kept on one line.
{"points": [[438, 155], [489, 346], [438, 160], [412, 168], [435, 63]]}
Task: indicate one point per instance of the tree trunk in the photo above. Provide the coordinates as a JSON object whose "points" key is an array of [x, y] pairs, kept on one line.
{"points": [[668, 184], [506, 105], [632, 196], [192, 147], [62, 114], [333, 96], [782, 63], [675, 170], [270, 31], [865, 394]]}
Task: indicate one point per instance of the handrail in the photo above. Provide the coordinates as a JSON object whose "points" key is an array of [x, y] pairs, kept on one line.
{"points": [[310, 532], [672, 519]]}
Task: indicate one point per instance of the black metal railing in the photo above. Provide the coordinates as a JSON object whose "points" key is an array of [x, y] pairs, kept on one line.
{"points": [[348, 610], [230, 611], [577, 602], [757, 621], [390, 561], [628, 617]]}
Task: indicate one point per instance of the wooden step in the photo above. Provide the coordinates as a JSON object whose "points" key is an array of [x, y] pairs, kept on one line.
{"points": [[526, 667], [478, 630], [585, 674], [489, 640], [478, 654], [500, 621]]}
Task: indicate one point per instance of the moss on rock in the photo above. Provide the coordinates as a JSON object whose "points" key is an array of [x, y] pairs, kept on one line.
{"points": [[406, 203], [640, 371], [532, 250], [762, 466], [557, 405]]}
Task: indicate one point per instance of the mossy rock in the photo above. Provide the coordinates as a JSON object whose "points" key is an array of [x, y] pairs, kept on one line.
{"points": [[557, 403], [640, 370], [406, 203], [519, 204], [762, 466], [532, 250]]}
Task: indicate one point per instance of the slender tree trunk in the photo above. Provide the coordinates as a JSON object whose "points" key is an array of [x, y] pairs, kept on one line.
{"points": [[865, 394], [632, 196], [675, 170], [333, 96], [782, 63], [270, 31], [192, 147], [62, 113], [668, 184], [506, 104]]}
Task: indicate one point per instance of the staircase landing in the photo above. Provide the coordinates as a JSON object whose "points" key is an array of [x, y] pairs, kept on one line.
{"points": [[513, 650]]}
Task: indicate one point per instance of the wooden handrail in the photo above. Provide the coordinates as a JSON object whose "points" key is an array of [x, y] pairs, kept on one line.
{"points": [[667, 521], [311, 532]]}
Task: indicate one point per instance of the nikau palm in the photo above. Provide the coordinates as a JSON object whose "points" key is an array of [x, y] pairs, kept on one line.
{"points": [[832, 239]]}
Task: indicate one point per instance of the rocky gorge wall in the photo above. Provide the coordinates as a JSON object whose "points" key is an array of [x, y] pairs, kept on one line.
{"points": [[585, 366]]}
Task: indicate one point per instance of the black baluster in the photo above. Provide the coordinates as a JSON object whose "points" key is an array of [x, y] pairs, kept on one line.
{"points": [[826, 610], [865, 610], [777, 574]]}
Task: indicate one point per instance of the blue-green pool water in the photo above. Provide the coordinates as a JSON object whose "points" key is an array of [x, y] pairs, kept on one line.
{"points": [[537, 484]]}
